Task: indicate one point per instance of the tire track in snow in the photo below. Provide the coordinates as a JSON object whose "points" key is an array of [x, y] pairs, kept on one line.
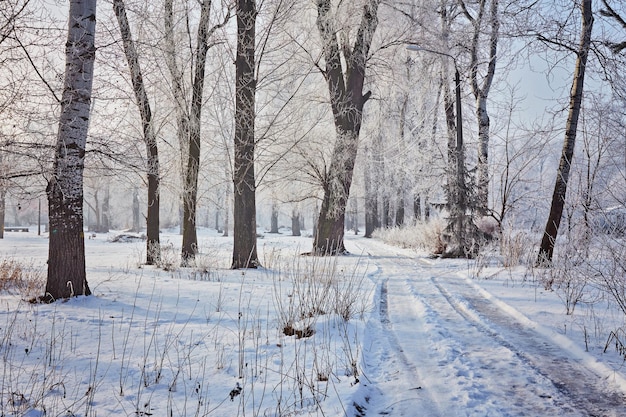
{"points": [[585, 390], [483, 377], [391, 383], [469, 356]]}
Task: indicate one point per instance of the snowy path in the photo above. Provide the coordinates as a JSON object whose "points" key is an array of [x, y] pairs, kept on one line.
{"points": [[439, 346]]}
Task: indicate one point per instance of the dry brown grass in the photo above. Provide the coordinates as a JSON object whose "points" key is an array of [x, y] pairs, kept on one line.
{"points": [[20, 279]]}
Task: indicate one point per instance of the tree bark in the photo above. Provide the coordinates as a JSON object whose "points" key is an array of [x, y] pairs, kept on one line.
{"points": [[546, 249], [153, 246], [274, 220], [188, 120], [190, 192], [345, 86], [244, 228], [417, 208], [136, 226], [371, 199], [387, 220], [400, 212], [106, 222], [176, 78], [66, 253], [295, 223]]}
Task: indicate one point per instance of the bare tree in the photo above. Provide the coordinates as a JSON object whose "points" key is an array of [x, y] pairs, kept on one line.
{"points": [[153, 248], [244, 228], [481, 88], [10, 13], [66, 255], [344, 71], [189, 115], [546, 249]]}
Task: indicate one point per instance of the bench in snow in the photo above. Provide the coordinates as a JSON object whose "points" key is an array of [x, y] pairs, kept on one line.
{"points": [[16, 229]]}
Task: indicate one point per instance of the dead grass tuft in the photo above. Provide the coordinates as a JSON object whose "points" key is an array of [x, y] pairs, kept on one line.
{"points": [[19, 279]]}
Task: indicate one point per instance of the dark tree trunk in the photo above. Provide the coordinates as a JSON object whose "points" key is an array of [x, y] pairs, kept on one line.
{"points": [[153, 246], [546, 249], [244, 230], [295, 223], [274, 220], [190, 193], [400, 212], [329, 232], [387, 220], [66, 254], [371, 216], [345, 86], [371, 203], [417, 208], [97, 212], [226, 212], [136, 226], [106, 222]]}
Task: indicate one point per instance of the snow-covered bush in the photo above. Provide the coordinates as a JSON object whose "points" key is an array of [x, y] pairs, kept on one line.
{"points": [[422, 235]]}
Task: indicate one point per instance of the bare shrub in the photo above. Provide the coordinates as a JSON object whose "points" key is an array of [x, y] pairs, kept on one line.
{"points": [[567, 278], [302, 291], [169, 259], [349, 300], [610, 275], [515, 248]]}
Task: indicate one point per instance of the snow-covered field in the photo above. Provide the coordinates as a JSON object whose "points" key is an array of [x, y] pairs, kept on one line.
{"points": [[383, 331]]}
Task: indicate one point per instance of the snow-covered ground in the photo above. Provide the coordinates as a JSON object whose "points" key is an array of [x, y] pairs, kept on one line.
{"points": [[383, 331]]}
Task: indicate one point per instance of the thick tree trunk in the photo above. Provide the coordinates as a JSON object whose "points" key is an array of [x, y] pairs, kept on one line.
{"points": [[244, 230], [66, 254], [347, 101], [330, 226], [546, 249], [153, 246]]}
